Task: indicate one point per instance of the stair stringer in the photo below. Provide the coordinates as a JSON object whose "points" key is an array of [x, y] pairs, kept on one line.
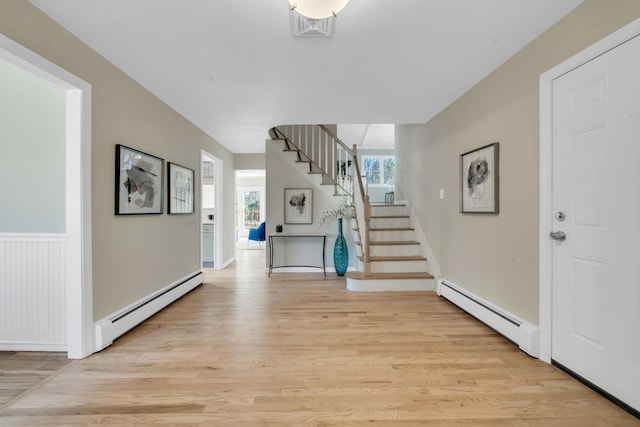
{"points": [[317, 179], [425, 248]]}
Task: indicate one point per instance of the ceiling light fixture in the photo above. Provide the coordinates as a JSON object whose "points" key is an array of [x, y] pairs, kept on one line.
{"points": [[318, 9]]}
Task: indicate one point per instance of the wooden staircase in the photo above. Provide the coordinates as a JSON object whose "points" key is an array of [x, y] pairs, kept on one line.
{"points": [[318, 152], [396, 262], [389, 257]]}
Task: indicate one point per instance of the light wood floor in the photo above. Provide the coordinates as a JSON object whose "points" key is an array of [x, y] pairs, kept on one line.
{"points": [[22, 370], [244, 350]]}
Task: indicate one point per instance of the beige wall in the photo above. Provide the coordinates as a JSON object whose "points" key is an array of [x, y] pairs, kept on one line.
{"points": [[245, 161], [496, 256], [132, 256]]}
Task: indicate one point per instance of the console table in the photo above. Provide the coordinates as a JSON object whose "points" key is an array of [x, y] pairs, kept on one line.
{"points": [[301, 240]]}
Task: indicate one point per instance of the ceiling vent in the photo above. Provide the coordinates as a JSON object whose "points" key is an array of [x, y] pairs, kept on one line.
{"points": [[306, 27]]}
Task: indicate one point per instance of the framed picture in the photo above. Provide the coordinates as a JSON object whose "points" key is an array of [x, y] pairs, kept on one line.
{"points": [[479, 188], [180, 183], [343, 166], [298, 206], [139, 178]]}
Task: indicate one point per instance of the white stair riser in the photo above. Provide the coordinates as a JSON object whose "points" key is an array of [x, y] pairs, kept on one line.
{"points": [[303, 167], [386, 210], [390, 222], [390, 235], [394, 250], [399, 266], [315, 179], [404, 285]]}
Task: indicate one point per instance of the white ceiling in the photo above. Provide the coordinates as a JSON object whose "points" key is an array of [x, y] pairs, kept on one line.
{"points": [[233, 69], [370, 136]]}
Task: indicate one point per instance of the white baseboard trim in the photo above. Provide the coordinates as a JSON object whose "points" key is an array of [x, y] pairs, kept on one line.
{"points": [[116, 324], [24, 346], [524, 334], [390, 285], [228, 263]]}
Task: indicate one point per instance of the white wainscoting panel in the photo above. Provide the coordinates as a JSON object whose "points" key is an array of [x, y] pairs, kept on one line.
{"points": [[32, 292]]}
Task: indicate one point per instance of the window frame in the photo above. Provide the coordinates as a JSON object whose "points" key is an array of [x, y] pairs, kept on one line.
{"points": [[382, 158]]}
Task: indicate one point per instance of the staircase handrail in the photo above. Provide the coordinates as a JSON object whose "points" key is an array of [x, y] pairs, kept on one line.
{"points": [[290, 142], [314, 154], [366, 216], [338, 140], [363, 216]]}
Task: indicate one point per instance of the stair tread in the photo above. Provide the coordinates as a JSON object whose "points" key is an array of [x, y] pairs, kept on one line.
{"points": [[392, 229], [290, 150], [395, 258], [394, 243], [381, 276], [388, 216]]}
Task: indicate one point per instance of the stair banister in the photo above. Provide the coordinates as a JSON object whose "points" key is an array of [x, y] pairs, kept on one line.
{"points": [[325, 153], [366, 213]]}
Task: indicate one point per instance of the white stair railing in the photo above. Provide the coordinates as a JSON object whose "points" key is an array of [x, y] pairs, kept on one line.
{"points": [[324, 152], [328, 155]]}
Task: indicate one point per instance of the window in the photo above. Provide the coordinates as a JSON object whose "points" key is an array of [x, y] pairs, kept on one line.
{"points": [[380, 170], [251, 209]]}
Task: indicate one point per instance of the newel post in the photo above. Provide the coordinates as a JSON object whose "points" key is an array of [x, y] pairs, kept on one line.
{"points": [[365, 236]]}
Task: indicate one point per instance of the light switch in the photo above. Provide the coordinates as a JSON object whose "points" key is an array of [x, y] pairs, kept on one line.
{"points": [[441, 194]]}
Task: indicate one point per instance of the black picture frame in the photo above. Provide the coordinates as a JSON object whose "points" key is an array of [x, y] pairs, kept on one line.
{"points": [[139, 179], [298, 206], [180, 185], [479, 180]]}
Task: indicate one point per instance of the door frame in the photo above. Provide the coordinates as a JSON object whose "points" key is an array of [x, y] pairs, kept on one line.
{"points": [[546, 180], [78, 253], [263, 196], [218, 173]]}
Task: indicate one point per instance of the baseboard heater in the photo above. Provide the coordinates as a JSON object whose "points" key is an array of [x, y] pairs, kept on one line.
{"points": [[524, 334], [116, 324]]}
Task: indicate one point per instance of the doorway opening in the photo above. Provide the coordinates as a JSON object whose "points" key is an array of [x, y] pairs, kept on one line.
{"points": [[211, 169], [77, 295], [250, 207]]}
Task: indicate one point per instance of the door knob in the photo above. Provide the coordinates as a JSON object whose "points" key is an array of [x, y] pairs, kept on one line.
{"points": [[558, 235]]}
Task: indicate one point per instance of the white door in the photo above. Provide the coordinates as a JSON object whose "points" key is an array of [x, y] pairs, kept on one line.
{"points": [[596, 188]]}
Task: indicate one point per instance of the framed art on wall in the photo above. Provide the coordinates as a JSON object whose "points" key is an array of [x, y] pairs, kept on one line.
{"points": [[479, 188], [298, 206], [180, 184], [138, 184]]}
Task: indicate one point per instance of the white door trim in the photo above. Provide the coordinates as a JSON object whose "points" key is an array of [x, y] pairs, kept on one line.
{"points": [[546, 140], [263, 196], [218, 173], [78, 267]]}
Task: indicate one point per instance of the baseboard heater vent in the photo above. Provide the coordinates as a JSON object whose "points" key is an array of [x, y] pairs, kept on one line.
{"points": [[116, 324], [524, 334]]}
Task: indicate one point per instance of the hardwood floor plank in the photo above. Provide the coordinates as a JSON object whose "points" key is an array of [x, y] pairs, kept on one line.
{"points": [[300, 350], [22, 370]]}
